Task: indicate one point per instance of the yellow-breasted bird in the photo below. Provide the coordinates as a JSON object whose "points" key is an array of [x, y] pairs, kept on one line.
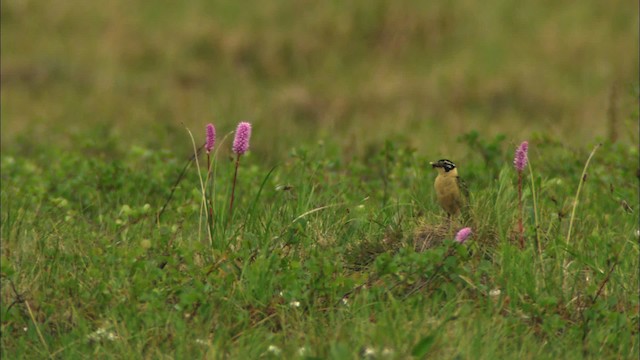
{"points": [[449, 189]]}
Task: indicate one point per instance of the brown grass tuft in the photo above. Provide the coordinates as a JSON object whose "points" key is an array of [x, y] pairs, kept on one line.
{"points": [[427, 236]]}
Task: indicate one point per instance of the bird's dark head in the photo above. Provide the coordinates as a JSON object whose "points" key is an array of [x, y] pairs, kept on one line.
{"points": [[446, 165]]}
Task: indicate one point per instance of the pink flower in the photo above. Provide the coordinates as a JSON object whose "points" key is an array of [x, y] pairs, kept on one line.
{"points": [[241, 141], [211, 138], [463, 235], [520, 160]]}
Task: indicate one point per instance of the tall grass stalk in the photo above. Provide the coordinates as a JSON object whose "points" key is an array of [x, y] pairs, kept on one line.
{"points": [[573, 211], [575, 199], [35, 323], [202, 188], [503, 203]]}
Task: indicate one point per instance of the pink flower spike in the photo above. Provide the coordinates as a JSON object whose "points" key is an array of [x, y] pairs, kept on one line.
{"points": [[463, 235], [520, 160], [211, 138], [241, 141]]}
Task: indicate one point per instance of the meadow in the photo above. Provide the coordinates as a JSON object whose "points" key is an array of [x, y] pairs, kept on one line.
{"points": [[336, 247]]}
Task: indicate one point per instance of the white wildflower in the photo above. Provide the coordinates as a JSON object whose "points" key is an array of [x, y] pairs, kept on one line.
{"points": [[274, 350], [495, 292], [96, 335], [125, 210], [102, 334], [295, 304], [369, 352], [387, 352]]}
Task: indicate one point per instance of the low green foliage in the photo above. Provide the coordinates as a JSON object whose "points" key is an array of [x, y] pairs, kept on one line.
{"points": [[335, 248], [326, 257]]}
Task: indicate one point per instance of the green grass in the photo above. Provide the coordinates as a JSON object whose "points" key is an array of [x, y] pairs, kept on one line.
{"points": [[85, 252], [336, 248]]}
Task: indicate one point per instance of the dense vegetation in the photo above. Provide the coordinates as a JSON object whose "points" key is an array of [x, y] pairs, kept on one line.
{"points": [[336, 247]]}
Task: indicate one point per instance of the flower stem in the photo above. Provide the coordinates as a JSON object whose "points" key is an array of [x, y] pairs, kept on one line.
{"points": [[520, 226], [535, 212], [534, 197], [210, 197], [233, 188]]}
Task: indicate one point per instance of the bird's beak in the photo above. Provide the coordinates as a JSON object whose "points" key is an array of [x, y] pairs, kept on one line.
{"points": [[434, 164]]}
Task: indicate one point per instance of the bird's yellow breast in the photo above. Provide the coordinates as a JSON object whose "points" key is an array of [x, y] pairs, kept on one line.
{"points": [[448, 192]]}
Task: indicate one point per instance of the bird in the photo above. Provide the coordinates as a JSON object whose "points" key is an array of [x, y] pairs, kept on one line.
{"points": [[449, 187]]}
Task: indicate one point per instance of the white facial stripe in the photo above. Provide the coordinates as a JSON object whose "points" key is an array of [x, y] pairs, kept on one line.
{"points": [[447, 165]]}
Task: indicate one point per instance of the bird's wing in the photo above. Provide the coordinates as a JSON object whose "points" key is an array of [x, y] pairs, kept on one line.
{"points": [[462, 185], [466, 201]]}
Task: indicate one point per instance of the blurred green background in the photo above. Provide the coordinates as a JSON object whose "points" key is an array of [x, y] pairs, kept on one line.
{"points": [[353, 73]]}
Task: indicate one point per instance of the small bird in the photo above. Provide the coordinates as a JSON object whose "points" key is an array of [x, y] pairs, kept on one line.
{"points": [[448, 187]]}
